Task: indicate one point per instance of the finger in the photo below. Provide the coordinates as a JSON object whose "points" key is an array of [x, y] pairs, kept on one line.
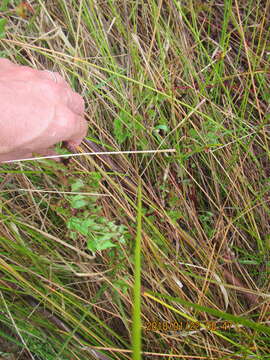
{"points": [[53, 76], [68, 125], [75, 102], [6, 64]]}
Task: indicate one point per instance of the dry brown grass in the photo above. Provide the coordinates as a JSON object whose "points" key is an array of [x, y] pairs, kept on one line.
{"points": [[154, 75]]}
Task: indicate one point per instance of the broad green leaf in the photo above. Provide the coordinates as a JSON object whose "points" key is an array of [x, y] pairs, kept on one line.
{"points": [[78, 201]]}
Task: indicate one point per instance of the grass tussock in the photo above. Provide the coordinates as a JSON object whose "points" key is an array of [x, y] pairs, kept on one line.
{"points": [[190, 76]]}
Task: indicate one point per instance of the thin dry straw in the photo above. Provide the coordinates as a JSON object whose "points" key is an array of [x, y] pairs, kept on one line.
{"points": [[95, 153]]}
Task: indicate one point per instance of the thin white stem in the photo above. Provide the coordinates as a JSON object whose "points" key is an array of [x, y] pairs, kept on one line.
{"points": [[95, 153]]}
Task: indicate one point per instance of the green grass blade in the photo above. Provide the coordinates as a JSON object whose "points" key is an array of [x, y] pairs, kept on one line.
{"points": [[136, 330]]}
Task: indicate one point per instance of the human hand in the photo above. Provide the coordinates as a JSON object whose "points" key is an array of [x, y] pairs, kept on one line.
{"points": [[37, 110]]}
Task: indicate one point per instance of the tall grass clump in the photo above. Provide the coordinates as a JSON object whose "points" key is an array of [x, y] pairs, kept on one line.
{"points": [[191, 76]]}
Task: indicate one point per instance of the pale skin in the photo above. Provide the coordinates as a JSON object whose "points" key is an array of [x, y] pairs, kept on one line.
{"points": [[38, 109]]}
